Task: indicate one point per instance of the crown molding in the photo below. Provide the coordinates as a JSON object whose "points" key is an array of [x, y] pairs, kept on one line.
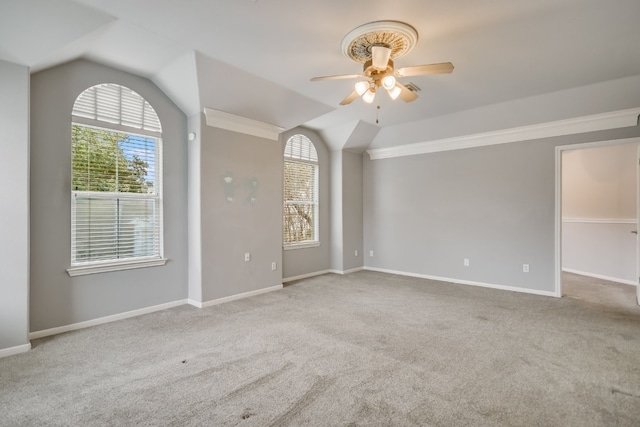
{"points": [[227, 121], [596, 122]]}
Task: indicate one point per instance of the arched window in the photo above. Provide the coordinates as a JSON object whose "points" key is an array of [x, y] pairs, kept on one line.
{"points": [[116, 186], [300, 192]]}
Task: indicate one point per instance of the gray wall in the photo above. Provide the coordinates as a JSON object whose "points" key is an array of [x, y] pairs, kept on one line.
{"points": [[297, 262], [352, 209], [14, 209], [424, 214], [56, 298], [346, 210], [231, 228]]}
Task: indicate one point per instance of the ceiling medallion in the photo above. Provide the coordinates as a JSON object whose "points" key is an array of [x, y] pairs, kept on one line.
{"points": [[397, 36]]}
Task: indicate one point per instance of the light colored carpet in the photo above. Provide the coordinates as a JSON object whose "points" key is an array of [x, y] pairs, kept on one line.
{"points": [[598, 291], [358, 350]]}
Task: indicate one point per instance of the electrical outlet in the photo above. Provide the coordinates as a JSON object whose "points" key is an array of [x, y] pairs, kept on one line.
{"points": [[370, 253], [247, 256], [356, 252], [525, 268], [274, 266], [466, 262]]}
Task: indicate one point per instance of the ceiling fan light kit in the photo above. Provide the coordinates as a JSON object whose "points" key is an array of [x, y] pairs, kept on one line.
{"points": [[376, 45], [369, 95], [362, 87]]}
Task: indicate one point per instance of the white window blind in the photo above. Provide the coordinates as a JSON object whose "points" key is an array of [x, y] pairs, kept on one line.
{"points": [[300, 216], [301, 148], [115, 104], [116, 178]]}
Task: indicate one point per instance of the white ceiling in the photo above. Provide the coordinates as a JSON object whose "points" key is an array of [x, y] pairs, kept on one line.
{"points": [[254, 58]]}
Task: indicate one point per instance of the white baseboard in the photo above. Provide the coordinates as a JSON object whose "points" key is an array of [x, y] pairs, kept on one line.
{"points": [[600, 276], [6, 352], [106, 319], [234, 297], [352, 270], [465, 282], [319, 273], [304, 276]]}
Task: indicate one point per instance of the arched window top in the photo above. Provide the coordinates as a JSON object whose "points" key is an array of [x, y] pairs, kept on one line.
{"points": [[301, 148], [116, 105]]}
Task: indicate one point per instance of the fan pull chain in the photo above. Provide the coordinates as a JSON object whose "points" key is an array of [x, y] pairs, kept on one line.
{"points": [[377, 110]]}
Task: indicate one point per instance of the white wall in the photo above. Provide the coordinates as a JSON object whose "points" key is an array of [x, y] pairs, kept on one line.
{"points": [[337, 247], [14, 209], [599, 192]]}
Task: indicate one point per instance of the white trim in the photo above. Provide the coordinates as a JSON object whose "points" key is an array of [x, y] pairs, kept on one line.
{"points": [[464, 282], [106, 319], [558, 201], [303, 245], [600, 220], [343, 272], [6, 352], [637, 224], [304, 276], [234, 297], [600, 276], [81, 270], [227, 121], [557, 223], [194, 303], [596, 122]]}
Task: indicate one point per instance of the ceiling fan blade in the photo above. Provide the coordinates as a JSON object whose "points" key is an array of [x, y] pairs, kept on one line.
{"points": [[406, 94], [380, 57], [340, 76], [419, 70], [349, 99]]}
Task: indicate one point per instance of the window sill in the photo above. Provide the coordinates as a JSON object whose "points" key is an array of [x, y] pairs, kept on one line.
{"points": [[303, 245], [81, 270]]}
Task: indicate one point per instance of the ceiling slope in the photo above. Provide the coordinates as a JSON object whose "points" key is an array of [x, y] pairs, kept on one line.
{"points": [[227, 88], [37, 34], [255, 58]]}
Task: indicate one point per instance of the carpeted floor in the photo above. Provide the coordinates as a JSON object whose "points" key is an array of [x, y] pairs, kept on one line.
{"points": [[366, 349], [599, 291]]}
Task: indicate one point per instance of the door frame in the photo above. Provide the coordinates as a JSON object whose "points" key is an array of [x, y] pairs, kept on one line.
{"points": [[559, 149], [638, 225]]}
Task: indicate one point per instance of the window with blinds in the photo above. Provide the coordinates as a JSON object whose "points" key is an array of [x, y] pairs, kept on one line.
{"points": [[116, 189], [300, 218]]}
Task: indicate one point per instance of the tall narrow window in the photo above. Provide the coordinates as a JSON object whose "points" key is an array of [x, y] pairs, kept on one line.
{"points": [[116, 186], [300, 226]]}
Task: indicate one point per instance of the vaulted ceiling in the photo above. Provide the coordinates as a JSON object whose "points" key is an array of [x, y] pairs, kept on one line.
{"points": [[255, 58]]}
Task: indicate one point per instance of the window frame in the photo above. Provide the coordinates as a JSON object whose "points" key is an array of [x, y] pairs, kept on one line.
{"points": [[315, 242], [78, 268]]}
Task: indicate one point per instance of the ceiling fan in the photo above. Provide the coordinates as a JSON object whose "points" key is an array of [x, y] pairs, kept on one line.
{"points": [[376, 45]]}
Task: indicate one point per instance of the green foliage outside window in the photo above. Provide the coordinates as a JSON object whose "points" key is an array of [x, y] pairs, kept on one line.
{"points": [[100, 164]]}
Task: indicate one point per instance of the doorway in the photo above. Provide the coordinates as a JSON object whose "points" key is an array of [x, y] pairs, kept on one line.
{"points": [[596, 214]]}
